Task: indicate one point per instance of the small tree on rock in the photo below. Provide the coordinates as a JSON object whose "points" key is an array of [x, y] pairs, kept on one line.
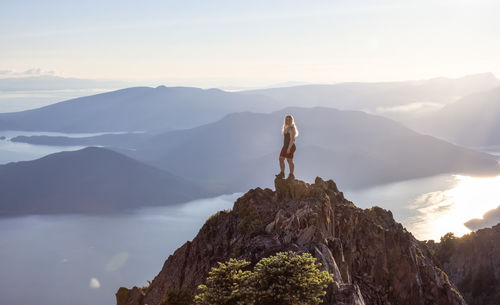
{"points": [[446, 247], [282, 279], [290, 279], [228, 284]]}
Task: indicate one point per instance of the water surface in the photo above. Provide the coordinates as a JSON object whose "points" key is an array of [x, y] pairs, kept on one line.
{"points": [[433, 206], [83, 260], [16, 151]]}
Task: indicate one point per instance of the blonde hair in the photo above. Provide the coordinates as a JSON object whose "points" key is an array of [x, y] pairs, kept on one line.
{"points": [[290, 124]]}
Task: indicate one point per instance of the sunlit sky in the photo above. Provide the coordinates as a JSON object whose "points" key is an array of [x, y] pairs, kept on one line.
{"points": [[250, 42]]}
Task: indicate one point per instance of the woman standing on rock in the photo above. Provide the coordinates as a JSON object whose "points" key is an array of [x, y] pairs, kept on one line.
{"points": [[290, 132]]}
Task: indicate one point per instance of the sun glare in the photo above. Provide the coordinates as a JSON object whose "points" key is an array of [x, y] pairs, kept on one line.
{"points": [[447, 211]]}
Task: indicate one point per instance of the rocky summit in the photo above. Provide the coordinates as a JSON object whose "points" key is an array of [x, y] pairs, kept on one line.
{"points": [[473, 264], [373, 259]]}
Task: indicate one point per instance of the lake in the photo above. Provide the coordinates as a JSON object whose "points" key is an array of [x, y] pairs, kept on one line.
{"points": [[83, 260], [16, 151], [433, 206]]}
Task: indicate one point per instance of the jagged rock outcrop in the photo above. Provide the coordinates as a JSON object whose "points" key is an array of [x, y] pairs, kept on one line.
{"points": [[373, 259], [473, 264]]}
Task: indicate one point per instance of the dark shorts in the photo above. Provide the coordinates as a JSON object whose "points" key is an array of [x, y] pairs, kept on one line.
{"points": [[285, 155]]}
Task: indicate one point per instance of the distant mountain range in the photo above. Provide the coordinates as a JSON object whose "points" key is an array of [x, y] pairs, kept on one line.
{"points": [[209, 137], [92, 180], [135, 109], [165, 108], [472, 121], [397, 100], [355, 148], [240, 150]]}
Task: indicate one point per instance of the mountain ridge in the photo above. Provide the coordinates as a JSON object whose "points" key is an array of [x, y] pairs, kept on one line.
{"points": [[473, 264], [373, 259], [370, 96], [91, 180], [134, 109], [471, 121], [147, 108], [238, 149]]}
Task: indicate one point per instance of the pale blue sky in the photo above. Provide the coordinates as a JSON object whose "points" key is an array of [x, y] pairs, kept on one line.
{"points": [[223, 43]]}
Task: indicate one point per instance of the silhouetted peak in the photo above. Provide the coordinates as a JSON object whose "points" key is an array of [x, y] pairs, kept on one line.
{"points": [[88, 153], [472, 261]]}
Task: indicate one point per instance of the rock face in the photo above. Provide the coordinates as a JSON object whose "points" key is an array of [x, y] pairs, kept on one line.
{"points": [[373, 259], [473, 264]]}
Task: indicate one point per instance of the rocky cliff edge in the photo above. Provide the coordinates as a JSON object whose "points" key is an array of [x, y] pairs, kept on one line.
{"points": [[373, 259]]}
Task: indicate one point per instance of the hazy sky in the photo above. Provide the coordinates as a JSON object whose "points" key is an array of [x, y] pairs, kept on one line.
{"points": [[250, 42]]}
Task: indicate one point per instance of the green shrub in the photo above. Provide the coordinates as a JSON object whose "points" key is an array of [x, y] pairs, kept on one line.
{"points": [[290, 279], [282, 279], [227, 284]]}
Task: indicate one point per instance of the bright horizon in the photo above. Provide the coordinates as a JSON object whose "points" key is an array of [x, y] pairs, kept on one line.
{"points": [[220, 44]]}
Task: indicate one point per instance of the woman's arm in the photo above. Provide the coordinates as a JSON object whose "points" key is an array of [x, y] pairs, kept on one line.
{"points": [[292, 140]]}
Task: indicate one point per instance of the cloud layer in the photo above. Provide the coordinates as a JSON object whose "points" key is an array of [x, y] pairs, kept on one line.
{"points": [[490, 218]]}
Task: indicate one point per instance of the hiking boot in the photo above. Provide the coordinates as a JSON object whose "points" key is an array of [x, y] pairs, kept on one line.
{"points": [[291, 177], [281, 175]]}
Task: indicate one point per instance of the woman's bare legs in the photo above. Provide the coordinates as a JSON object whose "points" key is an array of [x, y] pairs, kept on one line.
{"points": [[282, 165], [291, 165]]}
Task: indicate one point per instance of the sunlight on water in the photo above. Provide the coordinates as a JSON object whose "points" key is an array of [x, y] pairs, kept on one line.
{"points": [[447, 210]]}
